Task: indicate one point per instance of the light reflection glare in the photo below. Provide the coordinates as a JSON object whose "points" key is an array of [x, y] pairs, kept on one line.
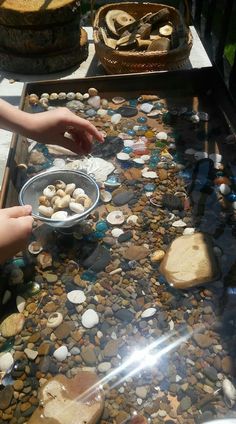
{"points": [[138, 361]]}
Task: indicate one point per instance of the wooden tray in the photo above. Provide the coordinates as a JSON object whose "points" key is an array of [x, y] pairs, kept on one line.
{"points": [[204, 83]]}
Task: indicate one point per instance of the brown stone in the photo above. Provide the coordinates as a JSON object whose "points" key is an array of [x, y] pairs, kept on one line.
{"points": [[135, 253], [203, 340], [6, 397], [63, 331], [44, 348], [227, 365], [18, 385]]}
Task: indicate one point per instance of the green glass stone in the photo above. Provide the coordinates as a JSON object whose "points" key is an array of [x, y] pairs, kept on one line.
{"points": [[7, 345]]}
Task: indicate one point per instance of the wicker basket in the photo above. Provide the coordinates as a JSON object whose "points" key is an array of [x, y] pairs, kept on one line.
{"points": [[122, 62]]}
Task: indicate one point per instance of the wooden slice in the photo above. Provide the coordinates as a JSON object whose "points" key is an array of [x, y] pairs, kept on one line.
{"points": [[45, 63], [37, 12]]}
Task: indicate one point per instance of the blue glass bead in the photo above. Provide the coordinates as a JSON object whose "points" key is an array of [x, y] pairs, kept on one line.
{"points": [[143, 128], [19, 262], [127, 150], [161, 279], [98, 235], [131, 132], [142, 120], [101, 226], [110, 112], [149, 187], [231, 197], [89, 276]]}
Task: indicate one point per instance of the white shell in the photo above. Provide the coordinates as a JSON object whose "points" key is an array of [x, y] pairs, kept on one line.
{"points": [[148, 313], [62, 202], [123, 156], [35, 247], [179, 223], [60, 215], [54, 320], [188, 231], [148, 174], [115, 218], [146, 107], [139, 161], [77, 192], [70, 188], [224, 189], [90, 318], [6, 361], [76, 207], [20, 303], [229, 392], [105, 196], [49, 191], [61, 353], [161, 135], [116, 232], [76, 296], [45, 211], [132, 219]]}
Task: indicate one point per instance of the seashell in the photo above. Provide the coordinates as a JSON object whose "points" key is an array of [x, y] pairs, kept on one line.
{"points": [[123, 156], [166, 30], [118, 100], [45, 96], [161, 135], [229, 392], [86, 96], [139, 161], [20, 303], [53, 96], [148, 313], [60, 193], [76, 296], [132, 219], [70, 188], [49, 191], [62, 96], [115, 218], [188, 231], [44, 103], [43, 200], [33, 99], [124, 19], [35, 247], [54, 320], [90, 318], [70, 96], [179, 223], [84, 200], [77, 192], [224, 189], [76, 207], [148, 174], [61, 353], [60, 215], [104, 103], [60, 185], [79, 96], [105, 196], [45, 211], [6, 361], [93, 92], [116, 232], [62, 202]]}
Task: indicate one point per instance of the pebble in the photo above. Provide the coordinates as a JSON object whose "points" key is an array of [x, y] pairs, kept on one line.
{"points": [[31, 354], [61, 353], [146, 107], [90, 318], [12, 325], [6, 361], [116, 232], [76, 296], [20, 303], [115, 119], [104, 367], [6, 395], [148, 313]]}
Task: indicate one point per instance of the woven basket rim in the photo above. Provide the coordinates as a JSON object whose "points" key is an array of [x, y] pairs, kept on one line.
{"points": [[122, 54]]}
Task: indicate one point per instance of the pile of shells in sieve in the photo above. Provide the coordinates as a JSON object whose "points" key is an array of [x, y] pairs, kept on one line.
{"points": [[152, 32], [60, 200]]}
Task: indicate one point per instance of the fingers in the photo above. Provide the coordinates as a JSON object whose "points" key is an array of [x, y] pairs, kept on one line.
{"points": [[17, 211], [79, 124], [24, 224]]}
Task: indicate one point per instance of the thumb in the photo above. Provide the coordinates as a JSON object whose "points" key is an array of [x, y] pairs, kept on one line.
{"points": [[18, 211]]}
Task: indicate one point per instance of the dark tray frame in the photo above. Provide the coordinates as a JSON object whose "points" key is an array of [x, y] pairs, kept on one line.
{"points": [[205, 81]]}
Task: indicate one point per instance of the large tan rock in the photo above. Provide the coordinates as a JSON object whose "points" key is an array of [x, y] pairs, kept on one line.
{"points": [[190, 261], [70, 401]]}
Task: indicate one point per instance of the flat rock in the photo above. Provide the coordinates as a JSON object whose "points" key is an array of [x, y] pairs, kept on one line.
{"points": [[135, 253], [123, 197], [190, 261], [98, 260], [88, 354], [12, 325], [202, 340], [5, 397]]}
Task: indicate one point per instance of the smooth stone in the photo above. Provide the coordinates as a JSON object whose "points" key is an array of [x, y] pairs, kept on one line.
{"points": [[76, 296], [105, 196], [146, 107], [188, 231], [6, 395], [90, 318], [75, 105], [202, 340], [135, 253], [6, 361], [127, 111], [116, 232], [104, 367], [124, 315], [190, 261], [123, 156], [88, 355], [20, 303], [91, 113], [157, 256], [12, 325], [141, 392], [148, 313], [127, 235], [95, 102], [61, 353], [101, 112], [110, 146], [60, 394], [224, 189], [161, 135], [31, 354], [116, 118], [111, 349], [123, 197]]}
